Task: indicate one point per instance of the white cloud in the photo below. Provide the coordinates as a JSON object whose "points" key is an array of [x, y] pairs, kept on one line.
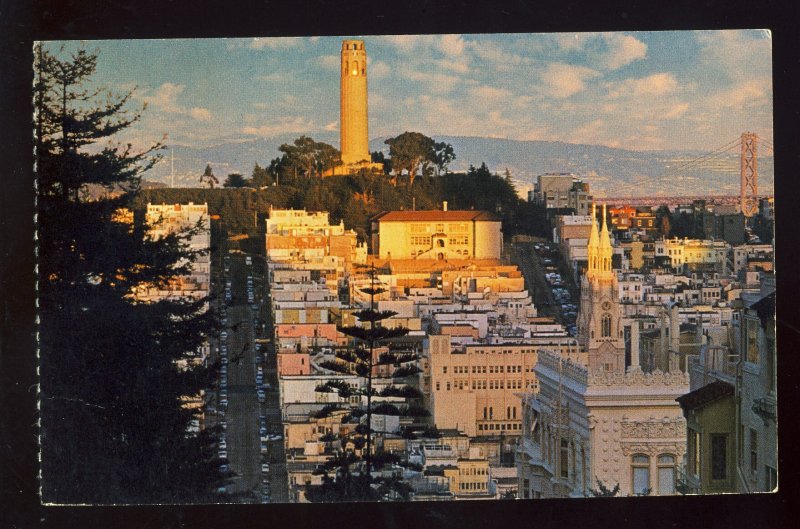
{"points": [[283, 125], [452, 45], [657, 84], [274, 43], [572, 41], [333, 125], [202, 114], [377, 69], [164, 99], [676, 111], [329, 62], [622, 50], [410, 43], [486, 94], [437, 82], [563, 80], [754, 92]]}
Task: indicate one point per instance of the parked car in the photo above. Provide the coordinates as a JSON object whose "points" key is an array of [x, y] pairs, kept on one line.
{"points": [[264, 467]]}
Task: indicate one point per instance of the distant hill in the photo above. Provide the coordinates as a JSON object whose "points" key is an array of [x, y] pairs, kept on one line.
{"points": [[609, 171]]}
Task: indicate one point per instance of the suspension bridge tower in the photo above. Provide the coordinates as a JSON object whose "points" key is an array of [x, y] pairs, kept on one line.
{"points": [[749, 174]]}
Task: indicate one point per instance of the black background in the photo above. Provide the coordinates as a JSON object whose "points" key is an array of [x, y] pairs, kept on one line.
{"points": [[22, 22]]}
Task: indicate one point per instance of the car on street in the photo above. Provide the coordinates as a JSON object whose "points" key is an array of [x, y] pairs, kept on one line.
{"points": [[223, 454], [274, 437], [223, 469], [223, 444], [264, 467]]}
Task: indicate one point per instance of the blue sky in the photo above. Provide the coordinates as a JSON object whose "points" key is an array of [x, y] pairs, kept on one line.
{"points": [[637, 90]]}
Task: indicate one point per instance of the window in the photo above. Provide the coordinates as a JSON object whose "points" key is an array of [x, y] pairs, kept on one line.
{"points": [[564, 463], [641, 474], [666, 475], [719, 456], [606, 326], [437, 386], [444, 369], [753, 452]]}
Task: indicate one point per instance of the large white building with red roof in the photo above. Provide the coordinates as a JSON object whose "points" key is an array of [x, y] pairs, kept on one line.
{"points": [[437, 235]]}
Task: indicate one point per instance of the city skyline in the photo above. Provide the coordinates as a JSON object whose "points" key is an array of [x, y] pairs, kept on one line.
{"points": [[680, 90]]}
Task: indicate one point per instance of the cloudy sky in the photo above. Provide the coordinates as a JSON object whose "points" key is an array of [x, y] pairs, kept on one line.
{"points": [[638, 90]]}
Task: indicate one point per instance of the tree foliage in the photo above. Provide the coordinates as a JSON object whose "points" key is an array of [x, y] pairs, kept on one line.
{"points": [[602, 491], [359, 359], [411, 152], [113, 427], [306, 157], [208, 177], [234, 180]]}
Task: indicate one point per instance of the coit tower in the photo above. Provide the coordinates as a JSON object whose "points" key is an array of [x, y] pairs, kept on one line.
{"points": [[354, 135]]}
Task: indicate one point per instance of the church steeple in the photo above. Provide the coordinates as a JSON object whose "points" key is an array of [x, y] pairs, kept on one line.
{"points": [[599, 330], [605, 251]]}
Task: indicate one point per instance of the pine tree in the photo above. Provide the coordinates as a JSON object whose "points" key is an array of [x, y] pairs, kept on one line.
{"points": [[113, 426], [208, 177], [361, 360]]}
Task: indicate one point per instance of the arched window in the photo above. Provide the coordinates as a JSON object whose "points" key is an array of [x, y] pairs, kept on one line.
{"points": [[640, 466], [605, 326], [354, 71], [346, 66], [666, 474]]}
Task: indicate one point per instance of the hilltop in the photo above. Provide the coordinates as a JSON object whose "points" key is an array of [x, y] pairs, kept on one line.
{"points": [[609, 171]]}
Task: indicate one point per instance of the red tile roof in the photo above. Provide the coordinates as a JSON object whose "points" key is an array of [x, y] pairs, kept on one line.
{"points": [[434, 215]]}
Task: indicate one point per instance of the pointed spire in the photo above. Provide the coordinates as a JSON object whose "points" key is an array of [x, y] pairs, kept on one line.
{"points": [[604, 245]]}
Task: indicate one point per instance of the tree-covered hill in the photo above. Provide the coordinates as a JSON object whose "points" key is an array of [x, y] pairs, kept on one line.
{"points": [[355, 198]]}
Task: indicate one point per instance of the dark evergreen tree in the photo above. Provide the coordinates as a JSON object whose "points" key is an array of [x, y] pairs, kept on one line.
{"points": [[360, 359], [260, 177], [114, 429], [234, 180], [208, 177]]}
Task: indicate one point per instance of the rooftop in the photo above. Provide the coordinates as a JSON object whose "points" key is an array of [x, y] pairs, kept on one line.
{"points": [[434, 215], [706, 394]]}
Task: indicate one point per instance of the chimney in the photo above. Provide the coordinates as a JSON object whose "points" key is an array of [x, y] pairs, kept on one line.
{"points": [[444, 205]]}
